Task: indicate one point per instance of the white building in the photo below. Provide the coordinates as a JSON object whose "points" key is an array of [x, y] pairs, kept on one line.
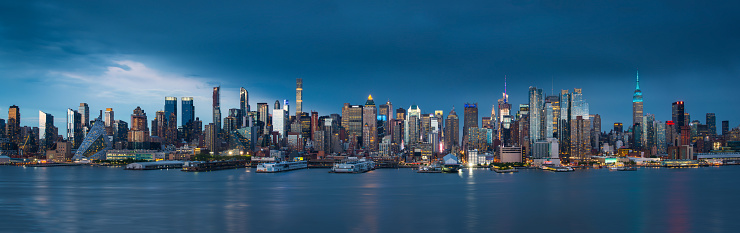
{"points": [[511, 154]]}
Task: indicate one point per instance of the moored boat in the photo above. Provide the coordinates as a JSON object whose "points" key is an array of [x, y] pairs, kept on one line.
{"points": [[353, 166], [281, 166]]}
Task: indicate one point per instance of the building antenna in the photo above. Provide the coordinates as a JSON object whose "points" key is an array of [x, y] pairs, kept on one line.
{"points": [[552, 85], [506, 95]]}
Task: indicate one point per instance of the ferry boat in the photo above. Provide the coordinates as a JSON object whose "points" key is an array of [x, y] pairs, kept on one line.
{"points": [[558, 168], [281, 166], [353, 166], [434, 168]]}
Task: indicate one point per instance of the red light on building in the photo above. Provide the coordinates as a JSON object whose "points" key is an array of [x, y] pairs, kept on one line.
{"points": [[670, 123]]}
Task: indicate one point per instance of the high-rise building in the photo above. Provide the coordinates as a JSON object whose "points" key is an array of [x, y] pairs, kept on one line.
{"points": [[352, 120], [109, 117], [217, 111], [188, 110], [536, 117], [564, 124], [369, 125], [725, 127], [84, 110], [13, 127], [280, 119], [46, 131], [170, 107], [244, 104], [315, 124], [580, 127], [711, 124], [138, 136], [553, 120], [400, 113], [618, 127], [298, 96], [637, 103], [412, 126], [595, 131], [677, 114], [470, 116], [75, 133], [264, 116], [211, 138]]}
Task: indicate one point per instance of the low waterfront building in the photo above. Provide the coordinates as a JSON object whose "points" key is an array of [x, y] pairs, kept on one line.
{"points": [[147, 155], [155, 165], [511, 154]]}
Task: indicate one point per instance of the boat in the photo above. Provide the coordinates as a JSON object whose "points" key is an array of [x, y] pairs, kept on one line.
{"points": [[353, 166], [627, 168], [434, 168], [281, 166], [199, 166], [507, 169], [558, 168]]}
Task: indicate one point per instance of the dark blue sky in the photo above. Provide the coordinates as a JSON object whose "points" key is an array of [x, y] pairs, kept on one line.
{"points": [[123, 54]]}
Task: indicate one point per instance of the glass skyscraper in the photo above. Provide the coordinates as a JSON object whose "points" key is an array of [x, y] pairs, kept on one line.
{"points": [[188, 110]]}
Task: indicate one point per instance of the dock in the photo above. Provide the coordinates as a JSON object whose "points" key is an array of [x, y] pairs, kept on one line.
{"points": [[199, 166]]}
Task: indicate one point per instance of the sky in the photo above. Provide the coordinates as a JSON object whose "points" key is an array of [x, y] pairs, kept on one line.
{"points": [[436, 54]]}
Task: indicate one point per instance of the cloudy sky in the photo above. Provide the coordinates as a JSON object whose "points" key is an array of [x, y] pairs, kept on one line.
{"points": [[437, 54]]}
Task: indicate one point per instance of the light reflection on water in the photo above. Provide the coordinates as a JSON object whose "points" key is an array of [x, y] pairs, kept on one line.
{"points": [[91, 199]]}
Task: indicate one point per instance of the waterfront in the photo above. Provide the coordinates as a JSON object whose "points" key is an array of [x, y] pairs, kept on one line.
{"points": [[92, 199]]}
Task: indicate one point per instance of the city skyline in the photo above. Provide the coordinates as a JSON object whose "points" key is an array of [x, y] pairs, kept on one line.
{"points": [[598, 51]]}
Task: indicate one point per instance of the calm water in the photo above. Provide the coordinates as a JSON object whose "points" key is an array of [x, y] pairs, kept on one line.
{"points": [[93, 199]]}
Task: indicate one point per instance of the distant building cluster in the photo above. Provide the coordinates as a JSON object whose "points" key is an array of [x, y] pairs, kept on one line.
{"points": [[554, 126]]}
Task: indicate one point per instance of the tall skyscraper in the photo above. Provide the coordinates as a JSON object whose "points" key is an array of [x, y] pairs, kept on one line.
{"points": [[46, 131], [564, 124], [280, 118], [188, 110], [84, 110], [400, 113], [315, 125], [74, 128], [13, 127], [217, 111], [352, 120], [369, 125], [264, 115], [138, 136], [412, 125], [170, 108], [298, 96], [711, 124], [580, 127], [678, 114], [452, 131], [470, 116], [244, 101], [637, 103], [725, 127], [552, 115], [109, 117], [536, 107]]}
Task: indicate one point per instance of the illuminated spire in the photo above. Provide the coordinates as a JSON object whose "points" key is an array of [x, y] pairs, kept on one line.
{"points": [[638, 80]]}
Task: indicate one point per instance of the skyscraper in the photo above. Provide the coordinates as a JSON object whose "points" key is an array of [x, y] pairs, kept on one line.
{"points": [[725, 127], [411, 125], [264, 115], [84, 110], [298, 96], [352, 120], [564, 124], [678, 114], [13, 127], [369, 125], [188, 110], [170, 108], [470, 116], [536, 130], [46, 132], [138, 136], [244, 101], [74, 128], [400, 113], [711, 124], [217, 111], [552, 119], [280, 118], [109, 117], [637, 103]]}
